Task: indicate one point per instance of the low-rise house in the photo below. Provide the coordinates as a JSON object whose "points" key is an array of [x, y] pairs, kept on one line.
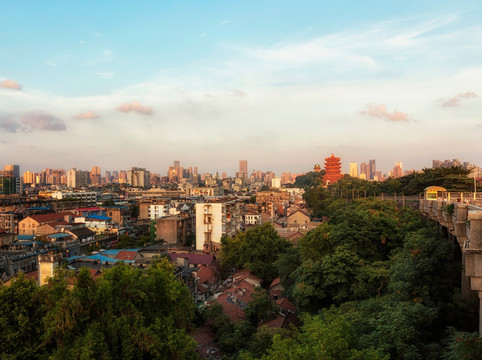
{"points": [[82, 234], [298, 218], [29, 225]]}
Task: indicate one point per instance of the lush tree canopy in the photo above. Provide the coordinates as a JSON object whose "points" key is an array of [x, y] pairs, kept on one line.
{"points": [[256, 250], [127, 313]]}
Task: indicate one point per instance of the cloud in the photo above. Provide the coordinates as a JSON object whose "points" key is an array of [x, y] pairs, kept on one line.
{"points": [[455, 101], [380, 111], [135, 107], [8, 124], [224, 22], [50, 63], [41, 121], [87, 115], [105, 75], [10, 84], [203, 35], [31, 121]]}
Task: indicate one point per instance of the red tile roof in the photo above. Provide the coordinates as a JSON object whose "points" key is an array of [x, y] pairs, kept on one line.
{"points": [[275, 323], [206, 275], [286, 305], [195, 259], [275, 282], [235, 299], [207, 347], [242, 274], [126, 255], [45, 218]]}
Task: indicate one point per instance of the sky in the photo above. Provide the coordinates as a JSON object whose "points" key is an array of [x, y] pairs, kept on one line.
{"points": [[282, 84]]}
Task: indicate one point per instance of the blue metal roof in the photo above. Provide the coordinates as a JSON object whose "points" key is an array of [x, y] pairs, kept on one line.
{"points": [[104, 259], [26, 237], [112, 252], [40, 208], [59, 235], [98, 217]]}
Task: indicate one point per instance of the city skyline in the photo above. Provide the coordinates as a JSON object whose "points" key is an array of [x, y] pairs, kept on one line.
{"points": [[282, 85]]}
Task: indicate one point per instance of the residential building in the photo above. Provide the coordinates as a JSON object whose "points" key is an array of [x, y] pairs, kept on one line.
{"points": [[7, 222], [138, 177], [175, 229], [215, 219]]}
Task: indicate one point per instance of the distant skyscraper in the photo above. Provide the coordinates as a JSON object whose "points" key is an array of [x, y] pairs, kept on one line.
{"points": [[397, 170], [354, 169], [138, 177], [77, 178], [364, 171], [372, 169], [243, 166], [95, 178]]}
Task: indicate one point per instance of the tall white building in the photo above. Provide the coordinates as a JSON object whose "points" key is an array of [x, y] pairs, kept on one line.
{"points": [[215, 219]]}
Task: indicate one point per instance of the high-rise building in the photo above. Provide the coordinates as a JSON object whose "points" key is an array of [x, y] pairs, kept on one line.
{"points": [[95, 178], [28, 177], [354, 169], [138, 177], [13, 169], [397, 170], [243, 166], [243, 170], [364, 171], [77, 178], [10, 180], [372, 169]]}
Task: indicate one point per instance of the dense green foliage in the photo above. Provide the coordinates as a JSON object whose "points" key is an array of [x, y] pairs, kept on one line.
{"points": [[310, 179], [127, 313], [256, 250], [377, 282], [453, 179]]}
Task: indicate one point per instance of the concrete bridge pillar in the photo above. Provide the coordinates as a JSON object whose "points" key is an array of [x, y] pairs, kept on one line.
{"points": [[460, 218], [474, 230]]}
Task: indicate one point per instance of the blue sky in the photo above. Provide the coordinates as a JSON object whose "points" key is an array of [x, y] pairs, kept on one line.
{"points": [[282, 84]]}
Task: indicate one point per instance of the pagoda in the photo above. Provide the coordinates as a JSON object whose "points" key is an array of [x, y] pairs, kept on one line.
{"points": [[317, 168], [332, 170]]}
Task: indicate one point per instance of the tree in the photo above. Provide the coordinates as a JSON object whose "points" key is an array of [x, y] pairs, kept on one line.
{"points": [[22, 309], [256, 250], [261, 308], [327, 336], [127, 313]]}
